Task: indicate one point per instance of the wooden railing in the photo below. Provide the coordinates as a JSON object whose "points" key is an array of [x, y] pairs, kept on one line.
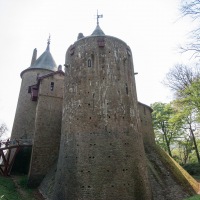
{"points": [[8, 152]]}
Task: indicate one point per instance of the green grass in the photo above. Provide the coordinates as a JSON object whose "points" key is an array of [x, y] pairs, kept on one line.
{"points": [[8, 190], [196, 197]]}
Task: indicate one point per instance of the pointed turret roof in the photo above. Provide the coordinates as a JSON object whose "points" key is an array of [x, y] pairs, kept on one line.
{"points": [[45, 61], [98, 31]]}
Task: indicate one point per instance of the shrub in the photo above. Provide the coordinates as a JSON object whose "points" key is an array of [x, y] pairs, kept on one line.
{"points": [[192, 169]]}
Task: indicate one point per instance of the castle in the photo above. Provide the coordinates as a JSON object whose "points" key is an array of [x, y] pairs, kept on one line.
{"points": [[91, 138]]}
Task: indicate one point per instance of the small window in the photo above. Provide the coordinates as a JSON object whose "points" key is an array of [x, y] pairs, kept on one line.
{"points": [[126, 88], [29, 89], [52, 86], [89, 63], [101, 42]]}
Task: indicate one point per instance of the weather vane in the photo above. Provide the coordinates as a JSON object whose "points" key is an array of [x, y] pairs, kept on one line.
{"points": [[98, 16], [49, 39]]}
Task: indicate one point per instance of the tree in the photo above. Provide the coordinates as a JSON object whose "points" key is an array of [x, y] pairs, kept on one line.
{"points": [[191, 8], [181, 77], [3, 129], [184, 149], [165, 129], [185, 82], [186, 112], [191, 97]]}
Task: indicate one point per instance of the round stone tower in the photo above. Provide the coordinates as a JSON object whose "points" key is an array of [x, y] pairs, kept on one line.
{"points": [[101, 151], [24, 122]]}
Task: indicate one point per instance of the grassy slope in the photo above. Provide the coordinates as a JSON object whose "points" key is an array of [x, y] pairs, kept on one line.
{"points": [[196, 197], [181, 174], [15, 189], [185, 179], [8, 189]]}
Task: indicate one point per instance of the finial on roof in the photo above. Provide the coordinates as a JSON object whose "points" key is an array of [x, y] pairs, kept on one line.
{"points": [[98, 16], [98, 31], [48, 42]]}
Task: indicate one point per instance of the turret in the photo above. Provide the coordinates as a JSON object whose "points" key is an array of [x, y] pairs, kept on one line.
{"points": [[23, 126]]}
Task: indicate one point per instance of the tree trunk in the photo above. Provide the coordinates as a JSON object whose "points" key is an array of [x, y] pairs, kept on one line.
{"points": [[168, 145], [195, 144]]}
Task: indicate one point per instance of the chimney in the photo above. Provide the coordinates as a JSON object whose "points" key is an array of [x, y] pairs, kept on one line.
{"points": [[34, 57]]}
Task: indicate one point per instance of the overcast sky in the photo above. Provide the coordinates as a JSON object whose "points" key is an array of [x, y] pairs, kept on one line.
{"points": [[152, 28]]}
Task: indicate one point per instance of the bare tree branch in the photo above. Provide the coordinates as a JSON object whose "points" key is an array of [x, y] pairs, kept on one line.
{"points": [[180, 77], [3, 129], [191, 8]]}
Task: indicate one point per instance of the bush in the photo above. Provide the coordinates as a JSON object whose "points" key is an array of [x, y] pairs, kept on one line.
{"points": [[193, 169]]}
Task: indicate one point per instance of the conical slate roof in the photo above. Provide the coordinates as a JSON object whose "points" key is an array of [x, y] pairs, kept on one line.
{"points": [[45, 61], [98, 31]]}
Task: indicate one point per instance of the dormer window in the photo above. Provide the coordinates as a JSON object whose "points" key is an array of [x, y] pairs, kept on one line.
{"points": [[33, 90], [101, 42]]}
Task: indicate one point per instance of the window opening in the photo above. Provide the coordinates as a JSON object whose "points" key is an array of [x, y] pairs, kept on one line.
{"points": [[126, 88], [52, 86], [89, 63]]}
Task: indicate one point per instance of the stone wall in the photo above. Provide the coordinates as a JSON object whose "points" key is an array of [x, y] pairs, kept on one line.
{"points": [[146, 127], [47, 128], [101, 154]]}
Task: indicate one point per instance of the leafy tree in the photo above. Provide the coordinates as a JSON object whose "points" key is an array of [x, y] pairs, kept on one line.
{"points": [[184, 149], [191, 96], [165, 129], [186, 113], [185, 82]]}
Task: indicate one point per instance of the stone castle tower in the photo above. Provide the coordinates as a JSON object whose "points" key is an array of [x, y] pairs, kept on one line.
{"points": [[101, 151], [24, 122], [91, 138]]}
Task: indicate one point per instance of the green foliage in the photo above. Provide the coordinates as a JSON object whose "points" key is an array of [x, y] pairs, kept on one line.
{"points": [[23, 181], [175, 126], [196, 197], [191, 97], [166, 129], [192, 168]]}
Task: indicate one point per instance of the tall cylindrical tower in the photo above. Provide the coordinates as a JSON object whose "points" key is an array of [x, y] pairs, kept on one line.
{"points": [[24, 122], [101, 152]]}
